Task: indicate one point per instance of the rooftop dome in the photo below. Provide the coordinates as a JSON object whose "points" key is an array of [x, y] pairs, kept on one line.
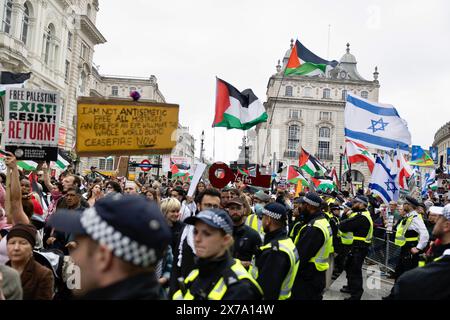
{"points": [[348, 57]]}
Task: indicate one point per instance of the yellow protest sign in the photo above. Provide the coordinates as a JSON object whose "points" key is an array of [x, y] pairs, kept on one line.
{"points": [[122, 127]]}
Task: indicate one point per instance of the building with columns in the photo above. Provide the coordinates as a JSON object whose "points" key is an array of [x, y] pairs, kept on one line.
{"points": [[308, 112], [442, 142], [54, 40]]}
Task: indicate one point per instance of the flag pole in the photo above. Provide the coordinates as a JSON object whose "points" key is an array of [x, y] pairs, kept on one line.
{"points": [[214, 144]]}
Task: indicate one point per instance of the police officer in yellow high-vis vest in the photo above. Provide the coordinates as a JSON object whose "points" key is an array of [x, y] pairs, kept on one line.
{"points": [[314, 242], [358, 231], [217, 276], [276, 262], [411, 236], [432, 282]]}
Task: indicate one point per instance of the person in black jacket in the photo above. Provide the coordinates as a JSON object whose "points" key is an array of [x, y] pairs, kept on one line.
{"points": [[246, 240], [431, 282], [361, 226], [310, 282], [114, 252], [278, 251]]}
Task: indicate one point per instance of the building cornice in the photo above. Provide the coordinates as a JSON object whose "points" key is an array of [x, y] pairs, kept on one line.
{"points": [[442, 134], [291, 100], [91, 30], [342, 82]]}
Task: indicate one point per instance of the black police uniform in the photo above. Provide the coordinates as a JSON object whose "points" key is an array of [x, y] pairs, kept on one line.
{"points": [[360, 226], [267, 260], [211, 270], [309, 282], [431, 282]]}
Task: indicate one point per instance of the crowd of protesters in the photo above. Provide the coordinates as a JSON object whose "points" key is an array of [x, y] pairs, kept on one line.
{"points": [[147, 239]]}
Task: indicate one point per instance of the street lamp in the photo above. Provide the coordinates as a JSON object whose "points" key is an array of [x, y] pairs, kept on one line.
{"points": [[202, 138]]}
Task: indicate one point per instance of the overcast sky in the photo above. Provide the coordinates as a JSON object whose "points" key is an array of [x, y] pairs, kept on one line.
{"points": [[186, 44]]}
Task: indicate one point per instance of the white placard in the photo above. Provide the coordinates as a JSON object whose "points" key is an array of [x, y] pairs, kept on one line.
{"points": [[200, 168]]}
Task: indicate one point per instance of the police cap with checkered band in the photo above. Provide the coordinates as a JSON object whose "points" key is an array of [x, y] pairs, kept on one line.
{"points": [[132, 227], [216, 218]]}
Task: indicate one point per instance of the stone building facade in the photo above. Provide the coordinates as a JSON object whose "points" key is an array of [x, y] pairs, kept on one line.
{"points": [[442, 141], [308, 112], [55, 41]]}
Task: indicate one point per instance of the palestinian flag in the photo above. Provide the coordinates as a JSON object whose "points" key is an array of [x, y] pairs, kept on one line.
{"points": [[310, 164], [295, 176], [61, 163], [177, 172], [312, 65], [237, 110], [357, 152], [323, 184], [25, 165]]}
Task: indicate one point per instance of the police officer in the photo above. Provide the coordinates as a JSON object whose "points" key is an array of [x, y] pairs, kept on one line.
{"points": [[360, 228], [314, 244], [411, 236], [246, 240], [217, 276], [343, 241], [432, 282], [278, 251], [114, 251]]}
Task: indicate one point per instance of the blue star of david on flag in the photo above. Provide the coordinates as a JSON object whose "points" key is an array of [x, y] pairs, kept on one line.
{"points": [[391, 186], [378, 125]]}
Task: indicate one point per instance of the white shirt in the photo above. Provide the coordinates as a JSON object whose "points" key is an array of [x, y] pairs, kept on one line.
{"points": [[187, 210], [418, 225]]}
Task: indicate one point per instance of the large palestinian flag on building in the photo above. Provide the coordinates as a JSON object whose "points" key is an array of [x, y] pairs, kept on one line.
{"points": [[235, 109]]}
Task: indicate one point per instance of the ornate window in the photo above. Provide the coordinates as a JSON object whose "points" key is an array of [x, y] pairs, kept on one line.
{"points": [[288, 92], [48, 40], [293, 137], [326, 93], [364, 94], [67, 71], [114, 90], [324, 143], [25, 23], [344, 95], [7, 12]]}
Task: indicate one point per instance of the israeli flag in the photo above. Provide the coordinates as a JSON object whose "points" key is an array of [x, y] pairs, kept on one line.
{"points": [[383, 183], [375, 125], [429, 181]]}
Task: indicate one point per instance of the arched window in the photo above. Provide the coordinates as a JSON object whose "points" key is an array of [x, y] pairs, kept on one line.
{"points": [[7, 12], [344, 94], [288, 92], [364, 94], [324, 144], [326, 93], [48, 39], [25, 23], [293, 138]]}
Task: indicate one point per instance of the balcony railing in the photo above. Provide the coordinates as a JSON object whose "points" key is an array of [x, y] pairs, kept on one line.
{"points": [[291, 154], [322, 156]]}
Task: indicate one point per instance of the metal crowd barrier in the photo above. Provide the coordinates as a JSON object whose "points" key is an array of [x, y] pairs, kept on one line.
{"points": [[383, 251]]}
